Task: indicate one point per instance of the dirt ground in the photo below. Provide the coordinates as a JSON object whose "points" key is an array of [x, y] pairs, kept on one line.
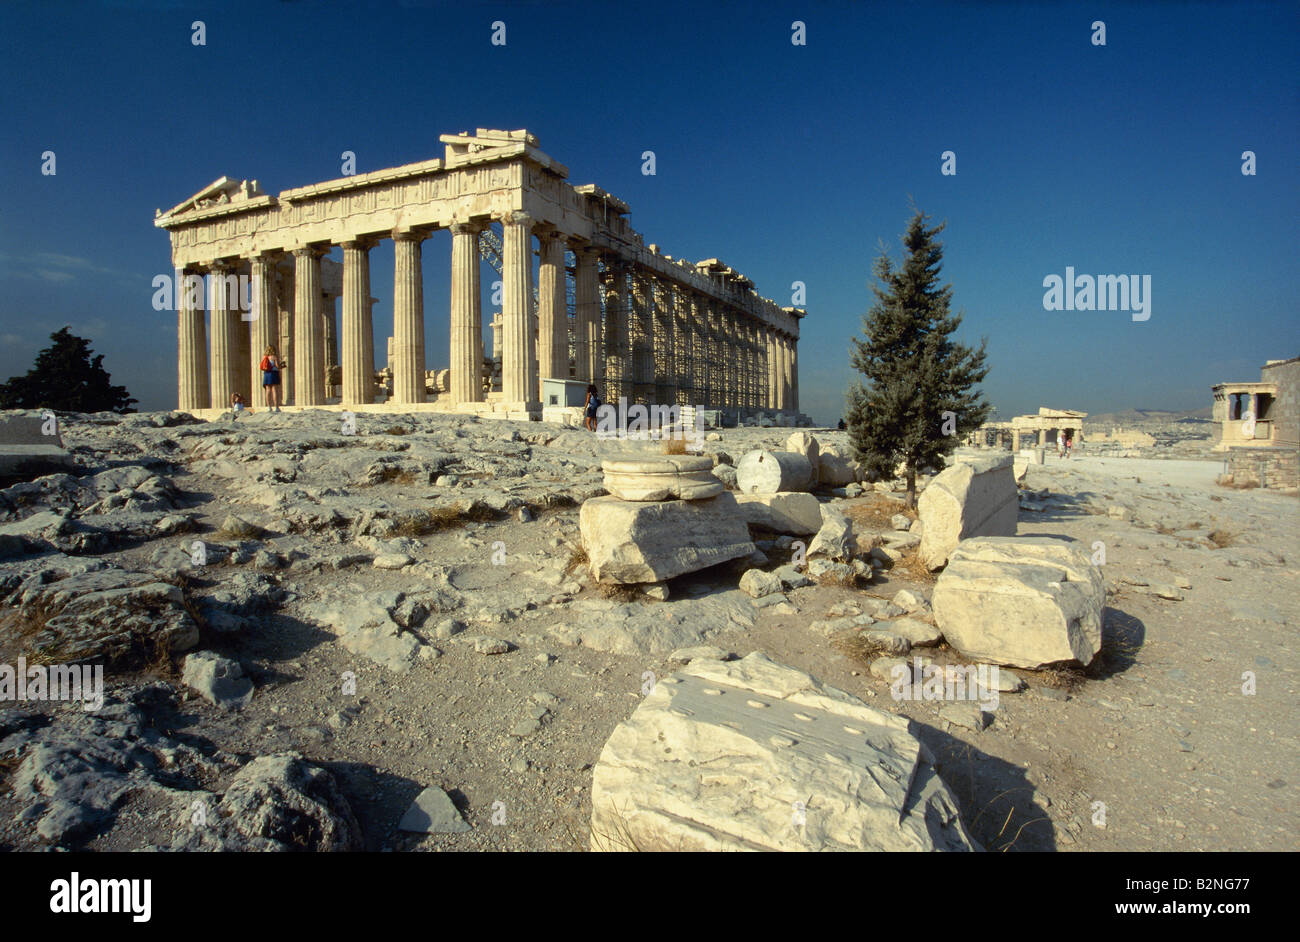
{"points": [[1155, 747]]}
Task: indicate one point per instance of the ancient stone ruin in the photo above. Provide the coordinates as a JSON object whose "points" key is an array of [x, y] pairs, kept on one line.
{"points": [[641, 325], [1258, 425]]}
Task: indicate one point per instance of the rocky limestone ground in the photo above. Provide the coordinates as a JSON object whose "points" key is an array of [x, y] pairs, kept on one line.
{"points": [[405, 608]]}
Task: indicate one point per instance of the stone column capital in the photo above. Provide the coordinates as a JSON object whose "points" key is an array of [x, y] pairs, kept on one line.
{"points": [[518, 219], [468, 227], [308, 251], [408, 235], [361, 244]]}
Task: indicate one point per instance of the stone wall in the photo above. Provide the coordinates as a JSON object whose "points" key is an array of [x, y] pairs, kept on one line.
{"points": [[1277, 468], [1285, 411]]}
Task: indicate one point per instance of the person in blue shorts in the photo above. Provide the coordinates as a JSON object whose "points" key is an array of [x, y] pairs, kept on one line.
{"points": [[271, 377]]}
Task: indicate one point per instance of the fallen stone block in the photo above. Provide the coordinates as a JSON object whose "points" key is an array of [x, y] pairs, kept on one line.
{"points": [[834, 538], [30, 446], [771, 472], [631, 541], [837, 470], [977, 496], [804, 443], [796, 513], [753, 755], [1021, 601]]}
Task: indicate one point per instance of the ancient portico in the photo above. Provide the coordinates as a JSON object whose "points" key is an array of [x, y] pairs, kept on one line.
{"points": [[601, 306], [1258, 425]]}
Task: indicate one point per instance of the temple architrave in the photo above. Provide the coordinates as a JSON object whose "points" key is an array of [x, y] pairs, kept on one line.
{"points": [[603, 306]]}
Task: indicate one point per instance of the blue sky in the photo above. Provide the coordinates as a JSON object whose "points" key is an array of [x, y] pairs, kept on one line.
{"points": [[790, 163]]}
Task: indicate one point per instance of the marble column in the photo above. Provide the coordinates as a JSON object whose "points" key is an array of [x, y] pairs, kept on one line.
{"points": [[225, 344], [589, 364], [747, 362], [309, 343], [618, 372], [729, 336], [683, 357], [519, 357], [358, 371], [284, 299], [408, 319], [265, 323], [192, 389], [769, 351], [243, 339], [717, 356], [665, 343], [787, 386], [699, 355], [794, 374], [466, 315], [552, 313]]}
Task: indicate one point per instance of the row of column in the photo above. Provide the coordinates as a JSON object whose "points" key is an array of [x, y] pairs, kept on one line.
{"points": [[653, 341]]}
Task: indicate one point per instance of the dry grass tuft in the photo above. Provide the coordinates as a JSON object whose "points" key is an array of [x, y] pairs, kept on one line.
{"points": [[396, 430], [1222, 538], [619, 592], [577, 558], [438, 519], [874, 512], [1068, 679], [859, 647], [674, 446], [912, 568]]}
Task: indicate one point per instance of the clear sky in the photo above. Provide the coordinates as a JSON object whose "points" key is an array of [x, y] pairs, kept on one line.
{"points": [[790, 163]]}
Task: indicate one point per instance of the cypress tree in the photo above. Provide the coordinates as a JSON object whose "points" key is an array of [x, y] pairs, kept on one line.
{"points": [[919, 398], [66, 378]]}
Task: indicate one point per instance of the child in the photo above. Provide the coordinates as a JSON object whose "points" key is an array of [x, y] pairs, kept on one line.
{"points": [[236, 405]]}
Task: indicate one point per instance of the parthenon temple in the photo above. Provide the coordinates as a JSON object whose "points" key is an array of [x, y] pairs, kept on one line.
{"points": [[602, 306]]}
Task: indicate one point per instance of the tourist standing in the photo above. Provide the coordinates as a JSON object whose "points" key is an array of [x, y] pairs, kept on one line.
{"points": [[271, 385]]}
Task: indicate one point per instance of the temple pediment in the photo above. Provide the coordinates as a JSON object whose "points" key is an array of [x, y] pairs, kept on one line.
{"points": [[217, 193]]}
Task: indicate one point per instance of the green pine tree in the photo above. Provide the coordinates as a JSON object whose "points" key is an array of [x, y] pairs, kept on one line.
{"points": [[920, 398], [66, 378]]}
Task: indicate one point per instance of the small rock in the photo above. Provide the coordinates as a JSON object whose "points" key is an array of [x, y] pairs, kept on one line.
{"points": [[491, 646], [448, 627], [965, 715], [432, 812], [217, 679], [655, 590], [890, 669], [756, 583]]}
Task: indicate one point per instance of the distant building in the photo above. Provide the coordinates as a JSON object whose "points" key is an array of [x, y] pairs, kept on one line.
{"points": [[1258, 425], [1044, 429]]}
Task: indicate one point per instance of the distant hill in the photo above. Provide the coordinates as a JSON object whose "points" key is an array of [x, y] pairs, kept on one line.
{"points": [[1136, 418]]}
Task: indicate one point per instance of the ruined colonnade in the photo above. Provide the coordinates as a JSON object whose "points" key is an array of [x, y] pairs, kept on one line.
{"points": [[643, 326]]}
